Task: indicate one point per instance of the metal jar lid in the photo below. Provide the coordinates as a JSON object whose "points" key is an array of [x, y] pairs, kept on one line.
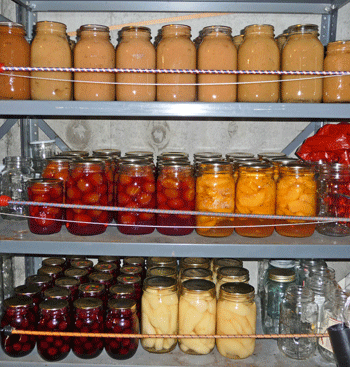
{"points": [[121, 289], [108, 259], [100, 277], [54, 261], [134, 261], [82, 264], [106, 153], [67, 282], [198, 285], [196, 273], [269, 155], [129, 279], [195, 262], [88, 303], [105, 267], [40, 280], [236, 273], [139, 153], [76, 273], [131, 269], [238, 289], [160, 283], [27, 290], [57, 292], [122, 304], [50, 270], [53, 304], [235, 155], [162, 271], [161, 261], [281, 275], [94, 288], [18, 302], [221, 262]]}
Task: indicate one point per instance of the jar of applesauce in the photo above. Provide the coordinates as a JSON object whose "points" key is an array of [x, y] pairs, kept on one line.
{"points": [[50, 48], [15, 51], [215, 192], [217, 52], [259, 51], [238, 40], [176, 51], [296, 195], [337, 89], [135, 51], [255, 194], [94, 50], [236, 314], [303, 51], [159, 313]]}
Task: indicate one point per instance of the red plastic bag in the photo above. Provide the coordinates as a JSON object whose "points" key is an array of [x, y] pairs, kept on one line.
{"points": [[330, 144]]}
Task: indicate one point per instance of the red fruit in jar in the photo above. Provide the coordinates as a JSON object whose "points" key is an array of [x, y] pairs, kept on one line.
{"points": [[85, 219], [125, 179], [171, 193], [144, 199], [128, 218], [176, 203], [77, 173], [96, 179], [133, 190], [146, 216], [149, 187], [123, 199], [56, 192], [84, 185], [91, 198], [73, 193], [161, 198], [44, 198], [189, 195]]}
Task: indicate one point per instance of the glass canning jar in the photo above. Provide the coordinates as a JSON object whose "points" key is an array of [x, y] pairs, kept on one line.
{"points": [[238, 40], [159, 312], [54, 316], [93, 290], [217, 52], [307, 267], [59, 293], [215, 192], [111, 260], [136, 261], [255, 194], [45, 219], [176, 51], [218, 263], [57, 168], [194, 262], [303, 51], [296, 196], [55, 261], [136, 189], [18, 313], [15, 51], [334, 198], [175, 191], [54, 272], [195, 273], [87, 185], [136, 283], [259, 51], [33, 291], [88, 318], [126, 291], [135, 50], [50, 48], [132, 270], [337, 89], [83, 264], [107, 268], [14, 178], [278, 281], [298, 316], [278, 162], [153, 262], [94, 50], [162, 271], [197, 315], [236, 314], [43, 281], [70, 258], [121, 318], [80, 274], [69, 283], [230, 274], [103, 278]]}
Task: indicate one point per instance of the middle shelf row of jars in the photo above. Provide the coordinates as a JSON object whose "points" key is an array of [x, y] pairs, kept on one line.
{"points": [[280, 186], [175, 50], [190, 301]]}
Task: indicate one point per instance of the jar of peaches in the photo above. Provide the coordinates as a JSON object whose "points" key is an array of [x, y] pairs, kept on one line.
{"points": [[94, 50], [337, 88], [303, 51], [175, 191], [236, 314], [45, 219], [159, 313], [87, 185], [50, 48], [259, 51], [255, 194], [296, 196], [215, 192], [15, 51], [197, 315], [217, 52], [136, 189], [176, 51], [135, 51]]}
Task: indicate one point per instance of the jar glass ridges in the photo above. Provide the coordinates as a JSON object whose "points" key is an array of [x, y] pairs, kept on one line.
{"points": [[236, 314], [159, 313], [298, 316], [197, 315]]}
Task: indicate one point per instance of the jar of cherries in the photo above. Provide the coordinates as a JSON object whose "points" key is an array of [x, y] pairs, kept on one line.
{"points": [[121, 319], [69, 283], [54, 316]]}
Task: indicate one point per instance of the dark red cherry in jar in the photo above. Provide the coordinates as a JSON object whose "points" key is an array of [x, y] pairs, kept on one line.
{"points": [[88, 319], [18, 313], [95, 290], [54, 316], [121, 319]]}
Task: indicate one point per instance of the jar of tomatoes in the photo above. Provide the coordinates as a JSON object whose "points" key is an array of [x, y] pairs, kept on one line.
{"points": [[255, 194], [121, 318], [135, 51], [176, 51], [18, 313], [54, 316], [57, 168], [45, 219], [136, 189], [15, 51], [87, 185], [88, 318], [215, 192], [175, 191]]}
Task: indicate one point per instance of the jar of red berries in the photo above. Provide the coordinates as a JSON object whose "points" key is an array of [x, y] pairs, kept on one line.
{"points": [[111, 259], [136, 261], [69, 283], [136, 189], [54, 316], [95, 290], [132, 270], [43, 281], [103, 278], [79, 274], [54, 272], [83, 264], [88, 319], [59, 293], [126, 291], [55, 261], [107, 268], [135, 281], [30, 290], [87, 185], [121, 319], [45, 219], [175, 191], [70, 258], [18, 313]]}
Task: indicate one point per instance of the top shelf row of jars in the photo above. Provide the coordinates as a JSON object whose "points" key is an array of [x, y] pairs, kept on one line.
{"points": [[256, 49]]}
